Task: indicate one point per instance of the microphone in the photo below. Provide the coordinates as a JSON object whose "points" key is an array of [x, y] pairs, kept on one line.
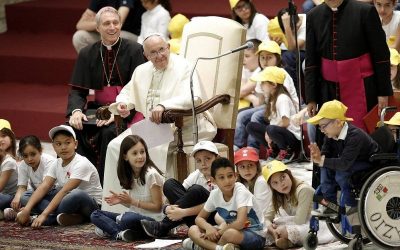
{"points": [[247, 45]]}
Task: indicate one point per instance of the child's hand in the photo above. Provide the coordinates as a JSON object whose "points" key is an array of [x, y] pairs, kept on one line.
{"points": [[15, 204], [212, 234], [175, 213], [282, 232], [125, 198], [113, 199], [23, 217], [38, 222], [315, 153], [272, 231]]}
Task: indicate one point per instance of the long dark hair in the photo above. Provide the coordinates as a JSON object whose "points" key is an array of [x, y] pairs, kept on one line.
{"points": [[29, 140], [13, 147], [252, 15], [124, 169], [271, 105], [280, 14], [279, 199]]}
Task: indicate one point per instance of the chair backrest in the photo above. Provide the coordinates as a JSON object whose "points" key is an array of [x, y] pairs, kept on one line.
{"points": [[209, 37]]}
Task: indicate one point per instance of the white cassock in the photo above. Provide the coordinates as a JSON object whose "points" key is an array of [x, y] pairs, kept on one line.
{"points": [[148, 88]]}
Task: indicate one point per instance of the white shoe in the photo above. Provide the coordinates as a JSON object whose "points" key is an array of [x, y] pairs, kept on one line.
{"points": [[126, 235], [100, 233], [188, 244], [9, 214]]}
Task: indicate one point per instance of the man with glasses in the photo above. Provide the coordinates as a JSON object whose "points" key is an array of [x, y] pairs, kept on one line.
{"points": [[163, 82], [346, 150]]}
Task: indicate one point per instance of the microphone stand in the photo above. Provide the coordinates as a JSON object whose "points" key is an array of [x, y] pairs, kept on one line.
{"points": [[195, 126], [292, 13]]}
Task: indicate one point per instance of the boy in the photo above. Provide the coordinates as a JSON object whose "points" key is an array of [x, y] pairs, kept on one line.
{"points": [[187, 199], [346, 149], [77, 191], [243, 221]]}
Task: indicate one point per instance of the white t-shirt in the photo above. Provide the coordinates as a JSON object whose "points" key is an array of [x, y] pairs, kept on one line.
{"points": [[301, 32], [79, 168], [242, 197], [198, 178], [288, 83], [285, 107], [154, 21], [26, 175], [262, 193], [9, 163], [391, 28], [258, 28], [143, 192]]}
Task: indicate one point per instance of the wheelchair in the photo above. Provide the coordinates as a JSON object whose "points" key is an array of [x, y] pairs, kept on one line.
{"points": [[378, 194]]}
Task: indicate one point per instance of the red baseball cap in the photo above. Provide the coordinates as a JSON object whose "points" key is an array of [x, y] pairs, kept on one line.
{"points": [[246, 154]]}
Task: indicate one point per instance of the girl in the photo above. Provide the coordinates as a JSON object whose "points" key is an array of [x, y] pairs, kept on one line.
{"points": [[279, 109], [249, 173], [244, 12], [138, 174], [390, 21], [8, 166], [33, 170], [295, 198], [155, 19], [394, 68]]}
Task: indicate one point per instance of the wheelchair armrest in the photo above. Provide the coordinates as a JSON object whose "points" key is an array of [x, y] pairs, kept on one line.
{"points": [[383, 156]]}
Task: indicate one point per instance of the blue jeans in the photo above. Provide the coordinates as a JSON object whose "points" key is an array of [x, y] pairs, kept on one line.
{"points": [[330, 179], [251, 240], [244, 117], [282, 137], [75, 202], [5, 200], [107, 221]]}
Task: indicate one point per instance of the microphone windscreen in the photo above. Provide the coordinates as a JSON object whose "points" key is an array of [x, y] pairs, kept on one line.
{"points": [[250, 45]]}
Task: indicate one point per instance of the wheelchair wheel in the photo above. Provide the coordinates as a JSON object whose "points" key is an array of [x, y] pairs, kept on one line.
{"points": [[311, 241], [346, 238], [379, 207], [355, 244]]}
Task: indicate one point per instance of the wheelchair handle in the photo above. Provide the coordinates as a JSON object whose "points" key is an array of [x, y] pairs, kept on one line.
{"points": [[387, 109]]}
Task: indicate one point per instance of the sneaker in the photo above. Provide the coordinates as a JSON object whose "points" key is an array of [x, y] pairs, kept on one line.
{"points": [[9, 214], [153, 228], [64, 219], [126, 235], [188, 244], [100, 233], [230, 246], [323, 211], [285, 156]]}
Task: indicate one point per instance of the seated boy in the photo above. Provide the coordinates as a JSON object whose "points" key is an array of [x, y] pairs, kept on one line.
{"points": [[77, 192], [346, 149], [187, 199], [243, 220]]}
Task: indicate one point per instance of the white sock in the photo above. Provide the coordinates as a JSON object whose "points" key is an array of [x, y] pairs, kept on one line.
{"points": [[219, 247]]}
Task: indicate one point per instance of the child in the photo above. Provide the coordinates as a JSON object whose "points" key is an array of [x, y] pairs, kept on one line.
{"points": [[175, 29], [155, 19], [294, 197], [8, 166], [77, 191], [187, 199], [346, 149], [394, 68], [138, 174], [32, 170], [243, 219], [390, 21], [249, 174], [281, 131]]}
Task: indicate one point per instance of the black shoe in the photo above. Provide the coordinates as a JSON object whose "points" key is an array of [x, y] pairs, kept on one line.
{"points": [[153, 228], [127, 235]]}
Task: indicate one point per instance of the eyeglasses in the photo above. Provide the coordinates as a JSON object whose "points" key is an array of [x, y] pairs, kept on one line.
{"points": [[242, 7], [160, 51], [324, 126]]}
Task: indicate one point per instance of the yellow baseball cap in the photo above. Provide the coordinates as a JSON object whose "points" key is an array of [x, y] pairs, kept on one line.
{"points": [[175, 45], [395, 120], [275, 31], [5, 124], [330, 110], [272, 168], [394, 57], [269, 46], [234, 2], [175, 26], [270, 74]]}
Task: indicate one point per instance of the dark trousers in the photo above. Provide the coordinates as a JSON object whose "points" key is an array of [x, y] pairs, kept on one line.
{"points": [[283, 137], [178, 195]]}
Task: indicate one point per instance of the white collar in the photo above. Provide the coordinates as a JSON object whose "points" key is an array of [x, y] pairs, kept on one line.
{"points": [[343, 132]]}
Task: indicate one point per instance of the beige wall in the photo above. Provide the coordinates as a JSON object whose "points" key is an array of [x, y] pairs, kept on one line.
{"points": [[3, 24]]}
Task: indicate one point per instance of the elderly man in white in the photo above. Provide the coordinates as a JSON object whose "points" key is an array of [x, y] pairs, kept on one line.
{"points": [[162, 82]]}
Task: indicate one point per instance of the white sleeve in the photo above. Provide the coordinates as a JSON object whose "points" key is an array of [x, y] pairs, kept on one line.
{"points": [[52, 172], [190, 180], [301, 33], [154, 178], [23, 173], [260, 23], [162, 25], [210, 206], [289, 85], [244, 198], [283, 104], [9, 164], [262, 193], [81, 170]]}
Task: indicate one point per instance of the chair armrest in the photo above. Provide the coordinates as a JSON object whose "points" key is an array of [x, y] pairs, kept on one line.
{"points": [[103, 113], [171, 115]]}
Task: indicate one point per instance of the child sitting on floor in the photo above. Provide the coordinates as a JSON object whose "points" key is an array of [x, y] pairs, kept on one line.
{"points": [[77, 192], [138, 174], [187, 199], [243, 220]]}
